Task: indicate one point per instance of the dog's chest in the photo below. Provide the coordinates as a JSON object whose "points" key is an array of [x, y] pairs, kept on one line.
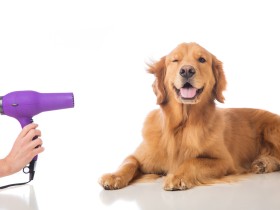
{"points": [[185, 144]]}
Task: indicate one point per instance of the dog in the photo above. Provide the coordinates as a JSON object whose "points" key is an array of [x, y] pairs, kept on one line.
{"points": [[188, 139]]}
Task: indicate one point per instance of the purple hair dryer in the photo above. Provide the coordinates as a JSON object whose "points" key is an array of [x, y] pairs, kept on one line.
{"points": [[23, 105]]}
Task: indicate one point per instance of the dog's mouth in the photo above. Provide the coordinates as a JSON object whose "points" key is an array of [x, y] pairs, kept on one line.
{"points": [[188, 92]]}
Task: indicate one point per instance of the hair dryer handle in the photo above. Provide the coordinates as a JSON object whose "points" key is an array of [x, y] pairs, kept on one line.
{"points": [[30, 169], [32, 165], [25, 121]]}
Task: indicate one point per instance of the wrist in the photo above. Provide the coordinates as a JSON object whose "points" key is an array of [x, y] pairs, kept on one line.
{"points": [[5, 168]]}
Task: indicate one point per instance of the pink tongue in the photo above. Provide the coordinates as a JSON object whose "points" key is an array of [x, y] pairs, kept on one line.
{"points": [[188, 92]]}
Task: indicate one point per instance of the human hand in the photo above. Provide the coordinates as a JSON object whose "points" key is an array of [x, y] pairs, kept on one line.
{"points": [[23, 150]]}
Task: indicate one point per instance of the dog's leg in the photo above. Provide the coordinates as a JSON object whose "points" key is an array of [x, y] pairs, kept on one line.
{"points": [[126, 172], [197, 171], [269, 157], [265, 164]]}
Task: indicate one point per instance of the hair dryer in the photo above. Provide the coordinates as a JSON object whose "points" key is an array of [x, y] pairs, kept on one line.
{"points": [[23, 105]]}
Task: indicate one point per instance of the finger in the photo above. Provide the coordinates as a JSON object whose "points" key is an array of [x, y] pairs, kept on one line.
{"points": [[33, 133], [26, 129], [35, 143], [37, 151]]}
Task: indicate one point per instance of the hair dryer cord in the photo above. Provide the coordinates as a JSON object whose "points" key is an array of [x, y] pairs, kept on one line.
{"points": [[27, 169]]}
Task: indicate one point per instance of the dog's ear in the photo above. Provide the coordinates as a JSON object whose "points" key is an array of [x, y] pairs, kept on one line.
{"points": [[220, 78], [158, 69]]}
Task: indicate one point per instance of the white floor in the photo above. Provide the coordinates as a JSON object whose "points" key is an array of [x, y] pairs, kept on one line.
{"points": [[259, 192]]}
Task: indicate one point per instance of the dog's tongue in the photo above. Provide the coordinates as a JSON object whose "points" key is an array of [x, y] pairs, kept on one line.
{"points": [[188, 92]]}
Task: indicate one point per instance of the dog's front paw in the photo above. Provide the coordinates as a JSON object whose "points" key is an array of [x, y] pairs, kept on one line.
{"points": [[176, 182], [112, 182]]}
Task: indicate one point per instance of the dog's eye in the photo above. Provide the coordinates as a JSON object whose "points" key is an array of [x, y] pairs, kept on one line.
{"points": [[202, 60], [175, 60]]}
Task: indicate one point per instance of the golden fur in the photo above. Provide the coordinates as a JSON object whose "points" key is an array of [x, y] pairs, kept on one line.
{"points": [[189, 139]]}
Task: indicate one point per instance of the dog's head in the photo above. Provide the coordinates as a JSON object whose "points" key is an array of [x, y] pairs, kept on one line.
{"points": [[190, 74]]}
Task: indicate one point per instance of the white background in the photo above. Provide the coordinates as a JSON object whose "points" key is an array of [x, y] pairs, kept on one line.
{"points": [[98, 50]]}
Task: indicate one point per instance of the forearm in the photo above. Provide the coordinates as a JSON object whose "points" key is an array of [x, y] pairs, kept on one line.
{"points": [[5, 168]]}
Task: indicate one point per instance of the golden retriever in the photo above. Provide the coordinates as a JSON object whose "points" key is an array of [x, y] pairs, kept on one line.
{"points": [[189, 139]]}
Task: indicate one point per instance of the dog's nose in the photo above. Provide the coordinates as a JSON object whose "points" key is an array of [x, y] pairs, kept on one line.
{"points": [[187, 71]]}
